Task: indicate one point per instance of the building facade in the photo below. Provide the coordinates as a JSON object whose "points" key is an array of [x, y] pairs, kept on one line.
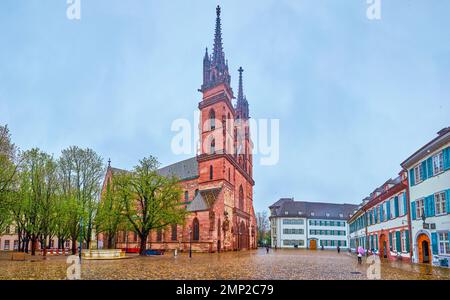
{"points": [[381, 223], [429, 193], [218, 182], [9, 241], [312, 225]]}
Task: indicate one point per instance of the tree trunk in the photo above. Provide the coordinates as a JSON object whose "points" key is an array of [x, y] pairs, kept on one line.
{"points": [[110, 241], [33, 245], [74, 246], [143, 244]]}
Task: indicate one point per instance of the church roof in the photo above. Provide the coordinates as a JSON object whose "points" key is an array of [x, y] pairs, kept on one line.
{"points": [[287, 207], [184, 170]]}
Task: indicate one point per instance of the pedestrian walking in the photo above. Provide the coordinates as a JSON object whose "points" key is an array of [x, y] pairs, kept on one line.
{"points": [[360, 254], [339, 249], [267, 249]]}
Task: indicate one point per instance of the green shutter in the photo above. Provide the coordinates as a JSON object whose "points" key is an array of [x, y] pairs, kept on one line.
{"points": [[413, 210], [447, 202], [412, 180], [390, 240], [429, 167], [423, 170], [407, 241], [405, 204], [446, 155], [434, 242], [396, 212], [398, 241]]}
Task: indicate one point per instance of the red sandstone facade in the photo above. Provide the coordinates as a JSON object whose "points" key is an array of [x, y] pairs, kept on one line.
{"points": [[217, 182]]}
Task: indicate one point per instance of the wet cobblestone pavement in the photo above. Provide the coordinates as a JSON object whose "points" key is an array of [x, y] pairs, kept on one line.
{"points": [[256, 264]]}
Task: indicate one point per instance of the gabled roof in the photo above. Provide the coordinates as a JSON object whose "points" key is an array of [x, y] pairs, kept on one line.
{"points": [[287, 207], [204, 199]]}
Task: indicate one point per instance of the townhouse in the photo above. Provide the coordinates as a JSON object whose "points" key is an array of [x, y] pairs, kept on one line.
{"points": [[429, 194]]}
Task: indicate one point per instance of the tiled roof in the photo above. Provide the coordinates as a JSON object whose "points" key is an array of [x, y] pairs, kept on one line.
{"points": [[287, 207], [185, 169]]}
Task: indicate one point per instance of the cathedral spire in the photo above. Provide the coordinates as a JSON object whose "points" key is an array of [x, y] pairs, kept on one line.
{"points": [[218, 55], [215, 67], [241, 89], [242, 103]]}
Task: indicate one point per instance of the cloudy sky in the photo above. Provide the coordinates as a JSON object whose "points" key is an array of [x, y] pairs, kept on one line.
{"points": [[354, 97]]}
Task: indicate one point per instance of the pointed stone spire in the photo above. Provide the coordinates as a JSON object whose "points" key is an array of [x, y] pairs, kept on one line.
{"points": [[215, 67], [109, 163], [218, 55], [242, 104], [240, 97]]}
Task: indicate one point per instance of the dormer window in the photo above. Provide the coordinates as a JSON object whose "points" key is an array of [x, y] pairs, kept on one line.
{"points": [[299, 212], [327, 214], [286, 213], [341, 215], [312, 214]]}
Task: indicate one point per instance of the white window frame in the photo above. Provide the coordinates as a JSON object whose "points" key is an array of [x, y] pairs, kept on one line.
{"points": [[403, 242], [440, 203], [420, 209], [417, 171], [438, 163], [443, 243], [394, 241]]}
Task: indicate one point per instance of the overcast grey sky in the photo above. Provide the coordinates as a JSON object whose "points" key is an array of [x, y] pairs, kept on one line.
{"points": [[354, 97]]}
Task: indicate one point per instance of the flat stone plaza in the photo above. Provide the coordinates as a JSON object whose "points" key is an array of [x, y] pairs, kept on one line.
{"points": [[256, 264]]}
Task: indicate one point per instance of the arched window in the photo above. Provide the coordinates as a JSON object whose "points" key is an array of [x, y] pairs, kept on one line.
{"points": [[186, 196], [241, 198], [195, 230], [174, 232], [196, 192], [229, 175], [211, 172], [212, 119], [213, 147]]}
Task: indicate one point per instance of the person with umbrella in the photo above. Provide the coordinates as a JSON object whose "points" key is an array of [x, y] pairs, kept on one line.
{"points": [[361, 252]]}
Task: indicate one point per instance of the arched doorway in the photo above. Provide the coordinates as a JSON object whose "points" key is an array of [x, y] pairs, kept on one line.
{"points": [[384, 249], [423, 246]]}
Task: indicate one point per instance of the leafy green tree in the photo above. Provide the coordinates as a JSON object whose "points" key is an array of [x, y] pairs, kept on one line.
{"points": [[37, 195], [80, 173], [262, 223], [110, 217], [150, 201], [8, 172]]}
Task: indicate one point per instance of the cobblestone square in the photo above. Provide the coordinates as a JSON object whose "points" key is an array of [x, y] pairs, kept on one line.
{"points": [[278, 264]]}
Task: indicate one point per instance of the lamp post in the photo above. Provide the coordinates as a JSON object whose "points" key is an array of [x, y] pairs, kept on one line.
{"points": [[190, 242], [81, 238]]}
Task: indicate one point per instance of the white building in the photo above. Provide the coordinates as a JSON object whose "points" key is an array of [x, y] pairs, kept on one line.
{"points": [[309, 224], [429, 195]]}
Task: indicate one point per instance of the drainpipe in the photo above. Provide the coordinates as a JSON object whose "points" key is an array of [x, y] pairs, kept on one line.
{"points": [[408, 214]]}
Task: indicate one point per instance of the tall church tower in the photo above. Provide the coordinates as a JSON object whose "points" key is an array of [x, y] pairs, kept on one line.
{"points": [[224, 159]]}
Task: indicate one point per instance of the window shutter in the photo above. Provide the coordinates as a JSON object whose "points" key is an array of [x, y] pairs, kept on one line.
{"points": [[407, 241], [430, 206], [396, 206], [411, 177], [413, 210], [398, 241], [446, 155], [447, 201], [423, 170], [434, 242], [376, 241], [381, 213], [388, 210], [390, 241], [405, 204], [430, 167]]}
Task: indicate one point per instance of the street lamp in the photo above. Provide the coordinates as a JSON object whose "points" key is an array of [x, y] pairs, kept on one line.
{"points": [[190, 242], [81, 237]]}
